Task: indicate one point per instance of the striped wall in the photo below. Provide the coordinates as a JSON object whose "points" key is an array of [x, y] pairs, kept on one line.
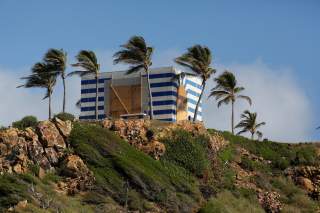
{"points": [[163, 88]]}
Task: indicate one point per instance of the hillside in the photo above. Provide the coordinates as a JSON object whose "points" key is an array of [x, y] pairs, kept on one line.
{"points": [[143, 166]]}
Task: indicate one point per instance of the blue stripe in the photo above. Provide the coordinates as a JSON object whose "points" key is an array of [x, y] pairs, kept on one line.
{"points": [[192, 101], [193, 93], [164, 111], [85, 109], [93, 81], [164, 93], [91, 99], [92, 90], [161, 103], [164, 84], [152, 76], [167, 119], [193, 84], [160, 75], [193, 111], [85, 117]]}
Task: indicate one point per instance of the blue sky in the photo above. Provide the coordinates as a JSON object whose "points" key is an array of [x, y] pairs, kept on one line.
{"points": [[280, 38]]}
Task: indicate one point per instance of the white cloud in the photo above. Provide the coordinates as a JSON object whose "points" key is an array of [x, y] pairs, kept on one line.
{"points": [[277, 98], [276, 95]]}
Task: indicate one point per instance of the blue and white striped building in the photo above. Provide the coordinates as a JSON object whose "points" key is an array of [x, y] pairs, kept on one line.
{"points": [[164, 88]]}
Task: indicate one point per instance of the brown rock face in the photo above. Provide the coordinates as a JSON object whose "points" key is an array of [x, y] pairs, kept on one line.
{"points": [[64, 127], [308, 177], [50, 136], [270, 201], [79, 177]]}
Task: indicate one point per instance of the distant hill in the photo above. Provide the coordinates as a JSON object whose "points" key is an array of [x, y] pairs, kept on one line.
{"points": [[143, 166]]}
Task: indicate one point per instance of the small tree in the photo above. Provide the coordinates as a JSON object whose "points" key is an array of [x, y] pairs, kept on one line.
{"points": [[88, 62], [227, 91], [249, 124], [198, 59], [43, 76], [58, 60], [138, 54]]}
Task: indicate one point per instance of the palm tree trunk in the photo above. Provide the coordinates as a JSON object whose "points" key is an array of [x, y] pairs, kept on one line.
{"points": [[252, 134], [232, 117], [49, 104], [64, 94], [198, 103], [150, 95], [97, 90]]}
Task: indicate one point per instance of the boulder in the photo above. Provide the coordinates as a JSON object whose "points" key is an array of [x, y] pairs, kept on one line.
{"points": [[306, 183], [64, 127], [74, 167], [50, 136], [78, 176]]}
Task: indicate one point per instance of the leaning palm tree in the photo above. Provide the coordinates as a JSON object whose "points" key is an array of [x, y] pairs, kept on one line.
{"points": [[58, 60], [88, 63], [198, 59], [138, 54], [42, 76], [249, 124], [228, 91]]}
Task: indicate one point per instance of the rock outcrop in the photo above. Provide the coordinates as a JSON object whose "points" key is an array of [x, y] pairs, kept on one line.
{"points": [[146, 135], [307, 177], [45, 146]]}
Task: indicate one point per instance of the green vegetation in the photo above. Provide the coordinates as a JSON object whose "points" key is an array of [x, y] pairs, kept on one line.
{"points": [[226, 202], [27, 121], [281, 155], [65, 116], [115, 163], [187, 151]]}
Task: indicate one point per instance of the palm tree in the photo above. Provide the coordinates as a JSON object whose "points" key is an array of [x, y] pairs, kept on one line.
{"points": [[249, 124], [88, 61], [138, 54], [42, 76], [227, 91], [58, 59], [198, 59]]}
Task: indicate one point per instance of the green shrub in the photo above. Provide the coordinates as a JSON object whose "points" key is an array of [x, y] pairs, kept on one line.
{"points": [[27, 121], [226, 202], [187, 151], [12, 190], [65, 116]]}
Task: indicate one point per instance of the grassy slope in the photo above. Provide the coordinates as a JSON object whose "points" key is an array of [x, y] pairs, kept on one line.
{"points": [[181, 181]]}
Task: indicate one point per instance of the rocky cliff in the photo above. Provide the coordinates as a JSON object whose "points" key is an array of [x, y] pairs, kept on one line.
{"points": [[144, 166]]}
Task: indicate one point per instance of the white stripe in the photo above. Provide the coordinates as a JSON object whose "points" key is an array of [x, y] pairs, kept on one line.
{"points": [[91, 104], [91, 86], [164, 107], [163, 89], [92, 95], [164, 98], [164, 116], [86, 113]]}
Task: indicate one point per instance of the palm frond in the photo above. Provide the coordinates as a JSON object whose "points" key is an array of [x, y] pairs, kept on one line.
{"points": [[247, 98]]}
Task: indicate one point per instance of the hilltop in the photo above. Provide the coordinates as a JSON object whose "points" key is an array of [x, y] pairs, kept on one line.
{"points": [[144, 166]]}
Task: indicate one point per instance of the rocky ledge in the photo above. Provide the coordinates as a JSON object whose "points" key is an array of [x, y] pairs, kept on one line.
{"points": [[44, 148]]}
